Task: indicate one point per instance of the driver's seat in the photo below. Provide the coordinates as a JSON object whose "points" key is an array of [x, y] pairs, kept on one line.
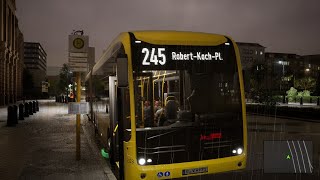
{"points": [[171, 110]]}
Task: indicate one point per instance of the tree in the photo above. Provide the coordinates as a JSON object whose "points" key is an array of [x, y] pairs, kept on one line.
{"points": [[258, 84], [65, 79], [306, 83], [317, 89]]}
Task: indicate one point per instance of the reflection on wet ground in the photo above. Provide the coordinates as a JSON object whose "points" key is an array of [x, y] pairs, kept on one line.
{"points": [[262, 128]]}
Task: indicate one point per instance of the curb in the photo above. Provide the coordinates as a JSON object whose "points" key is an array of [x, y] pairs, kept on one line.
{"points": [[107, 171]]}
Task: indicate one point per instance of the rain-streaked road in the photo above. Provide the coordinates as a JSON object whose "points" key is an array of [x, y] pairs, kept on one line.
{"points": [[261, 128]]}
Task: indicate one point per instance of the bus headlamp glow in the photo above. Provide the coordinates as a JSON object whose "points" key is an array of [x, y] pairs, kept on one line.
{"points": [[142, 161], [239, 151]]}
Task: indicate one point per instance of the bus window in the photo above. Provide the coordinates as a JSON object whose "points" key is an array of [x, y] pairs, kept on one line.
{"points": [[144, 103]]}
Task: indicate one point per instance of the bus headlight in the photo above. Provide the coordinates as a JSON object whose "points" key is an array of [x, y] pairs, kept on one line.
{"points": [[237, 151], [142, 161], [149, 160]]}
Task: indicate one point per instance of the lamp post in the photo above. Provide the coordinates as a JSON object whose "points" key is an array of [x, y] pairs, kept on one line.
{"points": [[282, 63]]}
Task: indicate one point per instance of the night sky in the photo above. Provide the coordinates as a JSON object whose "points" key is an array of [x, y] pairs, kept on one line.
{"points": [[289, 26]]}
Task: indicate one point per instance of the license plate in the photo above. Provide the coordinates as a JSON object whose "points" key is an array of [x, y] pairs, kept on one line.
{"points": [[194, 170]]}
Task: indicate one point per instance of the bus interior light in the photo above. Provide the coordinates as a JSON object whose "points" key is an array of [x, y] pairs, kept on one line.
{"points": [[142, 161]]}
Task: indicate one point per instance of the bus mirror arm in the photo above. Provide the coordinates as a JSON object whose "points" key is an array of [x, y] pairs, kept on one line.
{"points": [[122, 71]]}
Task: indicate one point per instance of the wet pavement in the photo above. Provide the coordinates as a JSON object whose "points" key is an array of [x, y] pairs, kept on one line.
{"points": [[43, 147]]}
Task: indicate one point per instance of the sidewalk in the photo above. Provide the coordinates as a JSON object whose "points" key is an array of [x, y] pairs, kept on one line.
{"points": [[43, 147], [292, 104]]}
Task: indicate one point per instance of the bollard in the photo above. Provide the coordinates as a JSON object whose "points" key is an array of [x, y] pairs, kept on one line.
{"points": [[15, 114], [318, 101], [301, 101], [284, 99], [56, 98], [21, 112], [37, 105], [310, 99], [10, 121], [34, 108], [26, 110], [287, 100], [30, 108]]}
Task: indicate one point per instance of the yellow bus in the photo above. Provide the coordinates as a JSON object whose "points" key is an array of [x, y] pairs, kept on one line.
{"points": [[175, 106]]}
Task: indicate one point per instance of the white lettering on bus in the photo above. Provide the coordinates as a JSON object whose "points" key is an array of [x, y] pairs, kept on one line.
{"points": [[181, 56], [199, 56]]}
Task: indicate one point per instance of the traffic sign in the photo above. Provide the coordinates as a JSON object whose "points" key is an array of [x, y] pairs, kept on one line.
{"points": [[78, 59], [78, 64], [78, 69], [78, 54], [78, 108], [78, 43]]}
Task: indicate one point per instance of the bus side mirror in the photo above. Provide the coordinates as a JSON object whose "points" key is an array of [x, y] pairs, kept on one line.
{"points": [[122, 72]]}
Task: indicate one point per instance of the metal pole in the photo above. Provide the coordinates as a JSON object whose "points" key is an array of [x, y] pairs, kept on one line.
{"points": [[78, 157], [90, 91]]}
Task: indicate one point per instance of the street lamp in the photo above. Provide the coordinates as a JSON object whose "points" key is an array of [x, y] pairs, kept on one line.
{"points": [[282, 63]]}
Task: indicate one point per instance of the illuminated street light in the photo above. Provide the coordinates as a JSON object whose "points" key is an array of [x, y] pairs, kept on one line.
{"points": [[307, 70], [280, 62]]}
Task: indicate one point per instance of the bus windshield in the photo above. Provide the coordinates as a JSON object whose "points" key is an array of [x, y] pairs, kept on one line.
{"points": [[187, 110]]}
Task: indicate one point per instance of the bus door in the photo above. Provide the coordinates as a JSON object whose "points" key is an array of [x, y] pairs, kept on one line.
{"points": [[144, 90], [113, 136]]}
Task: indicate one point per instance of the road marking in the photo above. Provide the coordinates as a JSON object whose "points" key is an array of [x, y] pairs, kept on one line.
{"points": [[305, 170], [297, 156], [294, 166], [310, 165]]}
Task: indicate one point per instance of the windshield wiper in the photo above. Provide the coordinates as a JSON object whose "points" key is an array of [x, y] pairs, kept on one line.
{"points": [[161, 134]]}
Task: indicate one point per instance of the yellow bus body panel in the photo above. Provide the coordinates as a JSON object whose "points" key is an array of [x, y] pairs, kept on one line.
{"points": [[133, 171]]}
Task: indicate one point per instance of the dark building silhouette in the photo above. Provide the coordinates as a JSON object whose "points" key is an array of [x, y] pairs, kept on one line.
{"points": [[252, 59], [35, 61], [11, 54]]}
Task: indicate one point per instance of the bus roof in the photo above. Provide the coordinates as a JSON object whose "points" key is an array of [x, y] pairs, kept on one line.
{"points": [[179, 37]]}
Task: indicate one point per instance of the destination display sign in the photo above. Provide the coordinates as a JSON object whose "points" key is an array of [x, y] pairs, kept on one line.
{"points": [[156, 57]]}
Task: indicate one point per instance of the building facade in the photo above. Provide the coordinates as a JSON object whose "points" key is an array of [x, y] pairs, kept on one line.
{"points": [[252, 57], [251, 54], [312, 65], [11, 54], [35, 61]]}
